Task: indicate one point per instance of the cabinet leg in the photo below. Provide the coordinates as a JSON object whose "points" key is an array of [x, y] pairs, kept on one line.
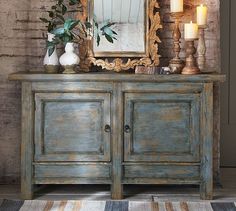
{"points": [[116, 192], [27, 192], [27, 141], [206, 191], [206, 186]]}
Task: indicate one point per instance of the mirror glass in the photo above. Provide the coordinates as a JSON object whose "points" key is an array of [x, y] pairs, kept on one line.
{"points": [[128, 17]]}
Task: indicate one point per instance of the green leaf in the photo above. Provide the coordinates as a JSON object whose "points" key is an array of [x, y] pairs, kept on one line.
{"points": [[96, 25], [114, 32], [107, 25], [74, 11], [68, 33], [74, 24], [66, 39], [95, 32], [51, 27], [51, 50], [98, 39], [68, 23], [73, 2], [50, 44], [59, 31], [44, 20], [51, 14], [109, 38], [88, 25], [61, 18], [54, 42], [60, 2], [108, 31], [64, 9]]}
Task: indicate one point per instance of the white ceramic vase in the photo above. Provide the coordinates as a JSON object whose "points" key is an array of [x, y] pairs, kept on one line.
{"points": [[51, 63], [69, 60]]}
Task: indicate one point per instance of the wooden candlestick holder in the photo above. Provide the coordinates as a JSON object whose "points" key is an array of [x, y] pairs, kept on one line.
{"points": [[191, 67], [176, 64], [201, 60]]}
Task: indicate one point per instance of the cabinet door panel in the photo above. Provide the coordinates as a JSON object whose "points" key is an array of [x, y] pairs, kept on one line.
{"points": [[70, 127], [164, 127]]}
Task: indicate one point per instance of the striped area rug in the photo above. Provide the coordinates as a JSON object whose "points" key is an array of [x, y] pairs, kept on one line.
{"points": [[9, 205]]}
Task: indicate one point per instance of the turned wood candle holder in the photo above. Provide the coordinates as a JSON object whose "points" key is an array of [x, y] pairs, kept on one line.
{"points": [[201, 60], [176, 64], [191, 67]]}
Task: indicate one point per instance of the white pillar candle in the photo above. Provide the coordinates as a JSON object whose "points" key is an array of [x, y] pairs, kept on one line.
{"points": [[176, 5], [191, 30], [202, 15]]}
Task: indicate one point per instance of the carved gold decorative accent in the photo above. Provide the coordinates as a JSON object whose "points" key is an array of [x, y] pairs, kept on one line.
{"points": [[118, 64]]}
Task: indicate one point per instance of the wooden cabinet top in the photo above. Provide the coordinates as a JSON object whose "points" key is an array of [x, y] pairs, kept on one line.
{"points": [[122, 77]]}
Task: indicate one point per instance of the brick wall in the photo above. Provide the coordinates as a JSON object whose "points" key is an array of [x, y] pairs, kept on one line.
{"points": [[22, 47]]}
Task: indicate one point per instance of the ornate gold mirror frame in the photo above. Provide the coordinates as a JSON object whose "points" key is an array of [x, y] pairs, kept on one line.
{"points": [[123, 63]]}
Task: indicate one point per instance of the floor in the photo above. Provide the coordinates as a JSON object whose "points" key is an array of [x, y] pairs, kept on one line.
{"points": [[132, 192]]}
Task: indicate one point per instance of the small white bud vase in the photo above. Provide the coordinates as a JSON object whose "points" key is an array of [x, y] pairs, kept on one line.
{"points": [[51, 63], [69, 60]]}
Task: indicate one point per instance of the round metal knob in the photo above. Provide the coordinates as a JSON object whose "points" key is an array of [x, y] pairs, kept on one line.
{"points": [[107, 129], [127, 129]]}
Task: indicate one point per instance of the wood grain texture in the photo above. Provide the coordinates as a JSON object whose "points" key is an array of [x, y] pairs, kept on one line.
{"points": [[117, 143], [72, 181], [89, 171], [95, 77], [125, 132], [23, 47], [217, 132], [27, 141], [66, 86], [163, 127], [206, 187], [71, 127], [164, 172]]}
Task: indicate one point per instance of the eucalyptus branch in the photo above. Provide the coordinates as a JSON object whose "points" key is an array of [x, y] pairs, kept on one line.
{"points": [[71, 30]]}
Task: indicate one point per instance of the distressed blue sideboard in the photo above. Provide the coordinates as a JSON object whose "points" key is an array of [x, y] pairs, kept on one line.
{"points": [[97, 128]]}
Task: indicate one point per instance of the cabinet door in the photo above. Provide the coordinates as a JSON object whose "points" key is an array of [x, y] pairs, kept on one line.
{"points": [[72, 127], [162, 127]]}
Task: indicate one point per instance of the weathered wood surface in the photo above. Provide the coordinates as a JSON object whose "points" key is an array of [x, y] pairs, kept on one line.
{"points": [[27, 141], [161, 181], [163, 127], [176, 87], [217, 133], [132, 132], [71, 127], [162, 172], [40, 76], [95, 87], [206, 186], [72, 171], [23, 47], [117, 143], [72, 180]]}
